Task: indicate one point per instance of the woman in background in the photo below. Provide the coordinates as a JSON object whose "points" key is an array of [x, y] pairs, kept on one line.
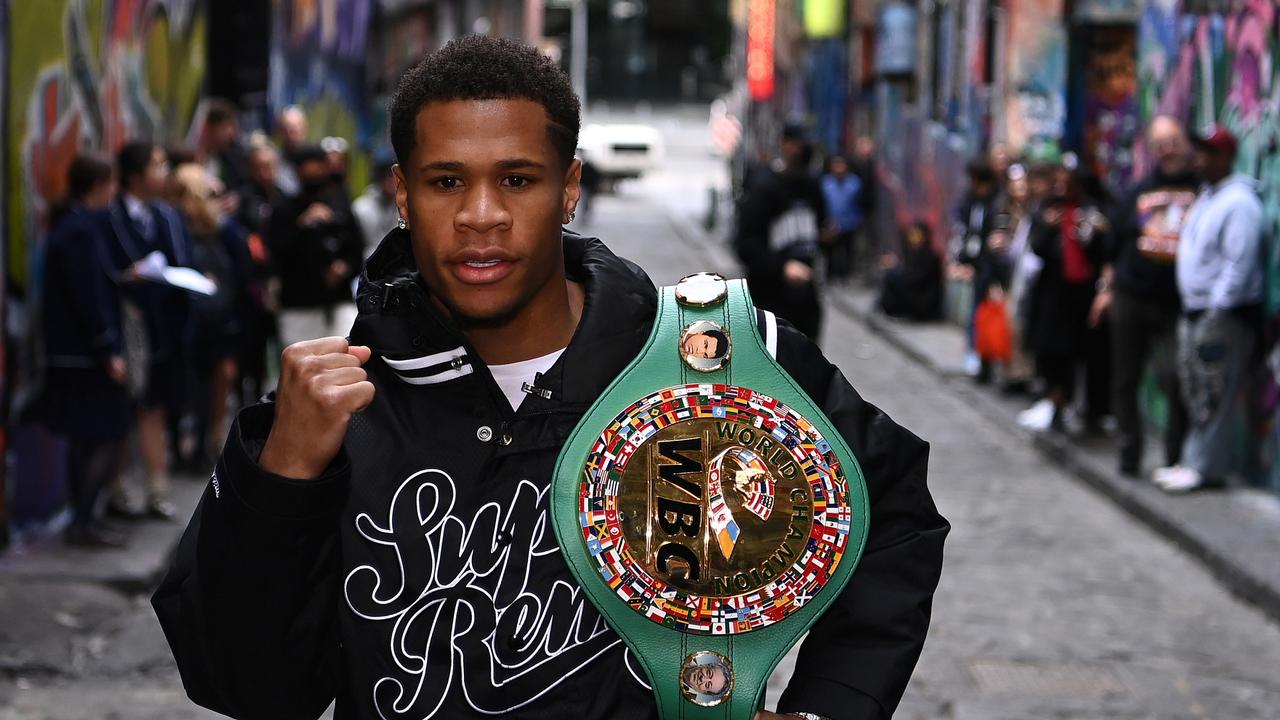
{"points": [[912, 286]]}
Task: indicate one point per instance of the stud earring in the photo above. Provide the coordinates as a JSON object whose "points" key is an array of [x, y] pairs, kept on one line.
{"points": [[402, 224], [572, 215]]}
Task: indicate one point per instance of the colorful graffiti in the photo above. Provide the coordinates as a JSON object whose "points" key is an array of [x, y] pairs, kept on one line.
{"points": [[318, 62], [1110, 104], [1036, 57], [91, 73], [1223, 67]]}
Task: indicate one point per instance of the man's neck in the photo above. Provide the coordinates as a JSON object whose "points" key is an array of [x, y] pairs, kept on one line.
{"points": [[544, 325]]}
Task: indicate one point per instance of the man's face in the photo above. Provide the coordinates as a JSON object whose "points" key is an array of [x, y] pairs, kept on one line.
{"points": [[839, 167], [700, 345], [223, 135], [1212, 165], [262, 167], [155, 179], [293, 127], [313, 173], [706, 679], [485, 194], [1169, 145]]}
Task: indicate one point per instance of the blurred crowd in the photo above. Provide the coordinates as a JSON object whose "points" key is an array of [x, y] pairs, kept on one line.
{"points": [[1071, 295], [171, 276]]}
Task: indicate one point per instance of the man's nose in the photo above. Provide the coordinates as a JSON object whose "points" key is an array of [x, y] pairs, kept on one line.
{"points": [[483, 210]]}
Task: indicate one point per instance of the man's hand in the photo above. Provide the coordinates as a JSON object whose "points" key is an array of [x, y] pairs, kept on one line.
{"points": [[336, 273], [117, 370], [1101, 306], [322, 384], [795, 272]]}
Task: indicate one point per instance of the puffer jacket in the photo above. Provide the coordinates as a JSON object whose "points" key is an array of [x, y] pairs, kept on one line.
{"points": [[419, 576]]}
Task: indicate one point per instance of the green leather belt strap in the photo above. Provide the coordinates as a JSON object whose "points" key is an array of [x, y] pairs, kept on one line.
{"points": [[707, 507]]}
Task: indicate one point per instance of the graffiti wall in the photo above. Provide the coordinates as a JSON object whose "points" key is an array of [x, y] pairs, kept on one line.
{"points": [[1036, 58], [91, 73], [1223, 67], [318, 62]]}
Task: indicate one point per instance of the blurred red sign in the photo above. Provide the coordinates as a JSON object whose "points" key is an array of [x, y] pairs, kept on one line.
{"points": [[760, 49]]}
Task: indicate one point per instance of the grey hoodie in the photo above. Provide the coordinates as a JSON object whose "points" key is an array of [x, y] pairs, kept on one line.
{"points": [[1220, 249]]}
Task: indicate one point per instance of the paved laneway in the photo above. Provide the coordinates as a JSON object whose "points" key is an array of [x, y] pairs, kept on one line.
{"points": [[1053, 603]]}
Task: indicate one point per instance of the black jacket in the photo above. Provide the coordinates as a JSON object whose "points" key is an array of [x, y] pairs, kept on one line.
{"points": [[1144, 239], [303, 253], [419, 576], [81, 312]]}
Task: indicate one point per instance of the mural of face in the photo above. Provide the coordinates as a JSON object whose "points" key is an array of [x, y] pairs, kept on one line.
{"points": [[706, 679]]}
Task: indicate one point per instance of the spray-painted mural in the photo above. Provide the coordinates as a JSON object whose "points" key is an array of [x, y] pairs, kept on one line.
{"points": [[1224, 67], [318, 62], [92, 73], [1036, 58]]}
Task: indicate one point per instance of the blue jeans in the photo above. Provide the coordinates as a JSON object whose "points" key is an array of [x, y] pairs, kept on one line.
{"points": [[1214, 351]]}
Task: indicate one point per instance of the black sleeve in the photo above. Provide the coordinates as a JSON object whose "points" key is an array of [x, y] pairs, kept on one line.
{"points": [[250, 604], [81, 260], [858, 657], [1123, 220]]}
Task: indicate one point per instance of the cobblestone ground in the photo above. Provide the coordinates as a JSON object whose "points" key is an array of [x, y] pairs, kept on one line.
{"points": [[1053, 603]]}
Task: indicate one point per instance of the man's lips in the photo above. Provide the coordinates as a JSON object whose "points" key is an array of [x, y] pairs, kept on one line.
{"points": [[479, 267]]}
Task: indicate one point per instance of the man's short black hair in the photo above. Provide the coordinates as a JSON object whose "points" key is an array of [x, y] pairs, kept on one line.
{"points": [[219, 110], [132, 160], [88, 170], [722, 343], [479, 67]]}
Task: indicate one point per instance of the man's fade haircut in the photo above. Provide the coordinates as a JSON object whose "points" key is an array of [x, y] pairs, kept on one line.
{"points": [[479, 67]]}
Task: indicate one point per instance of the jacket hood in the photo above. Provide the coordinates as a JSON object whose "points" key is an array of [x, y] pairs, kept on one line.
{"points": [[1239, 180], [400, 323]]}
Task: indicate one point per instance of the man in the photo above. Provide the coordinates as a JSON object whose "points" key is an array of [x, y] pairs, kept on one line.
{"points": [[316, 247], [292, 125], [261, 198], [219, 148], [1139, 292], [842, 191], [706, 345], [308, 565], [778, 233], [973, 258], [136, 225], [1219, 272], [376, 209]]}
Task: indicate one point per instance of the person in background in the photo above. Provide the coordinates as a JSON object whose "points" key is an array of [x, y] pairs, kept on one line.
{"points": [[911, 286], [261, 198], [292, 126], [970, 253], [842, 191], [317, 249], [375, 209], [777, 235], [1220, 281], [863, 164], [221, 251], [86, 396], [1139, 292], [137, 225], [1069, 234], [1018, 205], [336, 152], [220, 151]]}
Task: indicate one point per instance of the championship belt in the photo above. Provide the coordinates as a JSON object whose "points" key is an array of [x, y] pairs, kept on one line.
{"points": [[708, 508]]}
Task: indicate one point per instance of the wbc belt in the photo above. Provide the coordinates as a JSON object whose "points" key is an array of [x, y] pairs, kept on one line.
{"points": [[708, 508]]}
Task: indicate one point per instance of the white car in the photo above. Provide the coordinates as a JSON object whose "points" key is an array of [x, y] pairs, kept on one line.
{"points": [[620, 151]]}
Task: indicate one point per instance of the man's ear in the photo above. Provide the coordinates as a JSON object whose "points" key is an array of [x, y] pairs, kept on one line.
{"points": [[402, 191], [572, 186]]}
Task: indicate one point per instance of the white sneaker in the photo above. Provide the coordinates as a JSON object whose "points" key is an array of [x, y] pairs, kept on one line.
{"points": [[1178, 479], [972, 364], [1038, 416]]}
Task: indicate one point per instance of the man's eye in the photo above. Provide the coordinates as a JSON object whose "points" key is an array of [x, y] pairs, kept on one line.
{"points": [[446, 183], [517, 181]]}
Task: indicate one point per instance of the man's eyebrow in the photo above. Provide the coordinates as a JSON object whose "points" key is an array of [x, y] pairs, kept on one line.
{"points": [[446, 165], [519, 163]]}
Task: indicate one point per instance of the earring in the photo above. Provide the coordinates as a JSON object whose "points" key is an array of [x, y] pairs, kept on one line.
{"points": [[572, 215], [402, 224]]}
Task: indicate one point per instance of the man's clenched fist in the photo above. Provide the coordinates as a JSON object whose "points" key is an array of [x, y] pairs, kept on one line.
{"points": [[322, 384]]}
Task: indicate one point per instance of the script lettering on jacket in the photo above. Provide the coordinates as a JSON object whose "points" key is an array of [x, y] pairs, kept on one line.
{"points": [[456, 590]]}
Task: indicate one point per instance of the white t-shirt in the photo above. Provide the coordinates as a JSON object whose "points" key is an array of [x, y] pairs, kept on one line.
{"points": [[512, 376]]}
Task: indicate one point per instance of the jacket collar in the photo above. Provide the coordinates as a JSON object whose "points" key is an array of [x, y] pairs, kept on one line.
{"points": [[398, 321]]}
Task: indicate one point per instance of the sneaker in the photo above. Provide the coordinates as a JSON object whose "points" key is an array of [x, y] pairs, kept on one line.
{"points": [[1177, 479], [161, 509], [972, 364], [1038, 416], [119, 507]]}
